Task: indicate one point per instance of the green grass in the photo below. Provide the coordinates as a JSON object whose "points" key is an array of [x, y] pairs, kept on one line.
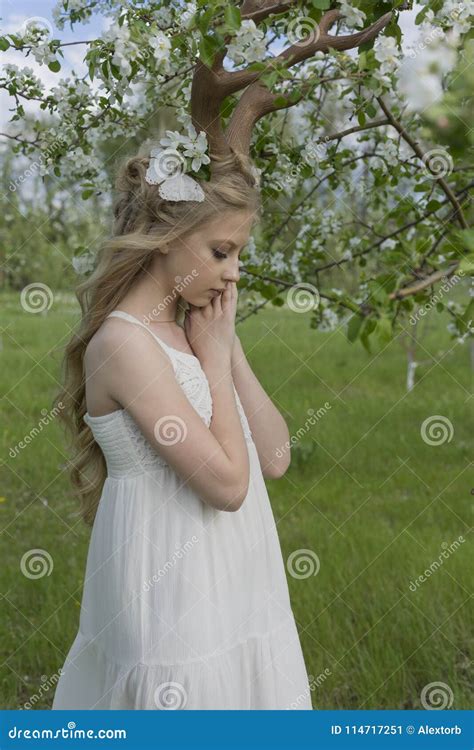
{"points": [[364, 493]]}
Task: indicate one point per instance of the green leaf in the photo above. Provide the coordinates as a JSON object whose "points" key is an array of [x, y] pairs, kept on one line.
{"points": [[86, 194], [207, 50], [321, 4], [422, 187], [115, 71], [467, 238], [4, 43], [55, 66], [232, 17], [204, 20], [362, 60], [383, 330], [467, 265], [353, 327], [361, 118]]}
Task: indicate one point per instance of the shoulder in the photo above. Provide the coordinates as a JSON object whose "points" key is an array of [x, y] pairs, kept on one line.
{"points": [[117, 342]]}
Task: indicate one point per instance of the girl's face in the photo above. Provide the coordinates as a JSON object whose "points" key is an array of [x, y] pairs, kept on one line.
{"points": [[206, 259]]}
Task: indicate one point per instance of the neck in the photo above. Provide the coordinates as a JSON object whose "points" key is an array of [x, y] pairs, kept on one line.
{"points": [[150, 302]]}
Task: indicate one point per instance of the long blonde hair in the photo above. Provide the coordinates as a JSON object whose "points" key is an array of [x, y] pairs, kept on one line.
{"points": [[143, 223]]}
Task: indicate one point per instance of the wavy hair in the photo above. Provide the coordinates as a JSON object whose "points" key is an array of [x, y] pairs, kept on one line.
{"points": [[143, 223]]}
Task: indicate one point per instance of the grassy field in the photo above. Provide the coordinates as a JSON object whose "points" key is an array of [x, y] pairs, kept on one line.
{"points": [[372, 501]]}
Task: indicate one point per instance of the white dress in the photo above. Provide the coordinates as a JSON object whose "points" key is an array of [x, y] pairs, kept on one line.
{"points": [[184, 606]]}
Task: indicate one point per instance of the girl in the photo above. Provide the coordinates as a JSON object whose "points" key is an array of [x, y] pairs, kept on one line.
{"points": [[185, 602]]}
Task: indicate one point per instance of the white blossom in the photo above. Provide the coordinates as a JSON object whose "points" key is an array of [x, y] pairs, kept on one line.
{"points": [[186, 17], [459, 14], [387, 54], [161, 46], [353, 16], [83, 264], [420, 77], [329, 320], [248, 45], [193, 145], [388, 244]]}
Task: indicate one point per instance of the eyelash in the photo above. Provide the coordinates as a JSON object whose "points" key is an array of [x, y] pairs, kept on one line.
{"points": [[219, 255]]}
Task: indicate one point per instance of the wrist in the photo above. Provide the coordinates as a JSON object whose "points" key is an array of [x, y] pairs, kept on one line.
{"points": [[237, 351]]}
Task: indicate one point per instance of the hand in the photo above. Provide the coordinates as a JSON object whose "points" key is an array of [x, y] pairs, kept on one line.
{"points": [[210, 330]]}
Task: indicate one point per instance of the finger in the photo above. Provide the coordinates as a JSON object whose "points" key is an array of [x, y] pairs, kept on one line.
{"points": [[217, 303], [226, 297]]}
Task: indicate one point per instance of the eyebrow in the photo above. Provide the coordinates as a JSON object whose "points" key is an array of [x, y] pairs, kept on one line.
{"points": [[226, 242]]}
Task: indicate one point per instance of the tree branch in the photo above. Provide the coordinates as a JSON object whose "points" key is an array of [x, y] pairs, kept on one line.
{"points": [[421, 155]]}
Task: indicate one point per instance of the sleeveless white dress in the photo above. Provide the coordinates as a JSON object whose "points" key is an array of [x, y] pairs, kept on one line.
{"points": [[184, 606]]}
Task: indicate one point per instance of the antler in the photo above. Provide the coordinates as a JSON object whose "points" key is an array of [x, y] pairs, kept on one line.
{"points": [[211, 86]]}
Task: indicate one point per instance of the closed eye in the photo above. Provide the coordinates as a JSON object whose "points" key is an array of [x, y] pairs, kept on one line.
{"points": [[219, 255]]}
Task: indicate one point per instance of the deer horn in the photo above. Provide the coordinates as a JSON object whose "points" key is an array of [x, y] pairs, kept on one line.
{"points": [[211, 86]]}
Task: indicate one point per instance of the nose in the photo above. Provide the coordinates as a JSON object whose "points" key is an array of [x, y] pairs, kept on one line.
{"points": [[232, 273]]}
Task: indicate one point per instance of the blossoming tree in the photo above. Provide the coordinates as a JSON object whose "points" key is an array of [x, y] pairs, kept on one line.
{"points": [[365, 169]]}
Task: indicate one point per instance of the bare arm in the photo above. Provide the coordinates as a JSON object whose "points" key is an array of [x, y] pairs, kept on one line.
{"points": [[225, 424], [269, 429], [214, 462]]}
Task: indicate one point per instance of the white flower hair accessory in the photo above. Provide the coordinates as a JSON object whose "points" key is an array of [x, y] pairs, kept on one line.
{"points": [[168, 167]]}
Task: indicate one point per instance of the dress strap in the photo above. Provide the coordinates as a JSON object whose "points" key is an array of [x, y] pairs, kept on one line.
{"points": [[132, 319]]}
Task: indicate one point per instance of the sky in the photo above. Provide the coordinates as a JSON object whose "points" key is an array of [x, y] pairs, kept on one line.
{"points": [[15, 12]]}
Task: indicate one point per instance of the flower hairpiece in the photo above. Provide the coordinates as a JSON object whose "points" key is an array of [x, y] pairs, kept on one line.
{"points": [[168, 166]]}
